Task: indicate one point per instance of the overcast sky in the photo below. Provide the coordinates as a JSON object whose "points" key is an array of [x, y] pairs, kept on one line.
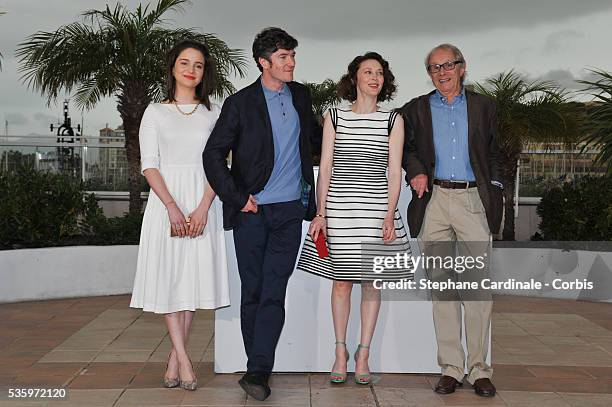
{"points": [[549, 39]]}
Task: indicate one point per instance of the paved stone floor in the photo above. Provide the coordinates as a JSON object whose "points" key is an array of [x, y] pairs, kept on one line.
{"points": [[545, 352]]}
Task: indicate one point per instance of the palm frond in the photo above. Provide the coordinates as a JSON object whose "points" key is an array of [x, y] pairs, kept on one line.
{"points": [[529, 111], [116, 47], [163, 6], [599, 125], [324, 95], [88, 94], [54, 61]]}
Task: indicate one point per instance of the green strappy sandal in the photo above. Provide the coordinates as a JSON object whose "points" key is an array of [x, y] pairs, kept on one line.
{"points": [[335, 377], [366, 377]]}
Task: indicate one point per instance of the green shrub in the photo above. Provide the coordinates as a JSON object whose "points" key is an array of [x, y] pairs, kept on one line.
{"points": [[38, 208], [110, 231], [42, 209], [579, 212]]}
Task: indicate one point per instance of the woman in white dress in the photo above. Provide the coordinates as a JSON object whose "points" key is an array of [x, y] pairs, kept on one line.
{"points": [[178, 274], [357, 203]]}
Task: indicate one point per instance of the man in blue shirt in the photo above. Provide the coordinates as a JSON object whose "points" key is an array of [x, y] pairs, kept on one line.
{"points": [[284, 183], [453, 163], [271, 131]]}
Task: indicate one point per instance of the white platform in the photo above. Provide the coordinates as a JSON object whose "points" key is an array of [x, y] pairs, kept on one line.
{"points": [[404, 341]]}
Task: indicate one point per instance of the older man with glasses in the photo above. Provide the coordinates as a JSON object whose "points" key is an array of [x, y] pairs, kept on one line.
{"points": [[453, 163]]}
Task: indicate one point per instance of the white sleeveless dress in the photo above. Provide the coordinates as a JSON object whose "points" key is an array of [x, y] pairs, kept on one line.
{"points": [[172, 273], [357, 202]]}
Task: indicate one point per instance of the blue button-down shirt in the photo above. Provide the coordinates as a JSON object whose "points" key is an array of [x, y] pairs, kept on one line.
{"points": [[284, 184], [450, 134]]}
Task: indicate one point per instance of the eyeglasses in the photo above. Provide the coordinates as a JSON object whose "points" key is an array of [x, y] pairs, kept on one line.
{"points": [[448, 66]]}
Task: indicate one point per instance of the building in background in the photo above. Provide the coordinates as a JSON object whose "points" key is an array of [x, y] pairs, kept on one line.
{"points": [[543, 167], [112, 167]]}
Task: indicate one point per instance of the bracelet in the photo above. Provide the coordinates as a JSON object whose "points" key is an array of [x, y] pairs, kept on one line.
{"points": [[319, 215], [169, 203]]}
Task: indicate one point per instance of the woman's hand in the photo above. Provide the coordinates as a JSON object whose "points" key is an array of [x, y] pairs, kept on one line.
{"points": [[198, 218], [178, 223], [388, 229], [318, 225]]}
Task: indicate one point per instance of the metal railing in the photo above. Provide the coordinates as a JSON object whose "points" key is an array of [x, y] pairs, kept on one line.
{"points": [[100, 162]]}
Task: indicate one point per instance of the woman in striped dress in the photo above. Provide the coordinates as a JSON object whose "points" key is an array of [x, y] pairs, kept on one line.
{"points": [[357, 203]]}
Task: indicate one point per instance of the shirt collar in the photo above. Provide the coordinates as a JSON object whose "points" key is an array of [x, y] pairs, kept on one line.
{"points": [[270, 94], [438, 97]]}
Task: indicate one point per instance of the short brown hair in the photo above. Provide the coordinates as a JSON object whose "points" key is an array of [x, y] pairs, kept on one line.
{"points": [[270, 40], [347, 87]]}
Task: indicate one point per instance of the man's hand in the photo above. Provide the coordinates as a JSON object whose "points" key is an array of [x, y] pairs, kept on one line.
{"points": [[419, 184], [251, 205]]}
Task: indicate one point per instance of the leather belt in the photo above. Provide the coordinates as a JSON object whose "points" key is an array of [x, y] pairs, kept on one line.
{"points": [[442, 183]]}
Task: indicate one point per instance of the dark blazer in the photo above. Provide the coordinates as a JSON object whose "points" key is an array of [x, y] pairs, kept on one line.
{"points": [[485, 155], [244, 128]]}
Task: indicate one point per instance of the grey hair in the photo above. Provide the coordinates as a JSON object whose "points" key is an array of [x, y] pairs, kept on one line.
{"points": [[447, 47], [457, 54]]}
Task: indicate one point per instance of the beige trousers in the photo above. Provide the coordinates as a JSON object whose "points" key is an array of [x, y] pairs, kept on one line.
{"points": [[457, 215]]}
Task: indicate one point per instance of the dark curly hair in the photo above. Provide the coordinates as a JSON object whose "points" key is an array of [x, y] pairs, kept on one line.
{"points": [[347, 87], [270, 40], [208, 84]]}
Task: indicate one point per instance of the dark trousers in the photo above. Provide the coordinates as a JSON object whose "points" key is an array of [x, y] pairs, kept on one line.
{"points": [[267, 243]]}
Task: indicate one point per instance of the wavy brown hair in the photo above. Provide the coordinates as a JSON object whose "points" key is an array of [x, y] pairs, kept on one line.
{"points": [[208, 84], [347, 87]]}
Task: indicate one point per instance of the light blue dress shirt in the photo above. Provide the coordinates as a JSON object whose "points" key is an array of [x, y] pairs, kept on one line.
{"points": [[450, 134], [284, 184]]}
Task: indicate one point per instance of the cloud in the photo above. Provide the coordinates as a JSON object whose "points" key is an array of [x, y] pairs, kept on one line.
{"points": [[239, 20], [491, 54], [558, 40], [44, 119], [565, 78], [363, 19], [16, 119]]}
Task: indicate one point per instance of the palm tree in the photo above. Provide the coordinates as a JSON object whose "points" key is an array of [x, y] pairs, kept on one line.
{"points": [[528, 112], [599, 125], [118, 52], [324, 95]]}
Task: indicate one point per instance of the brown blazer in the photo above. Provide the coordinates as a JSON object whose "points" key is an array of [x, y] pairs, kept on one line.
{"points": [[485, 155]]}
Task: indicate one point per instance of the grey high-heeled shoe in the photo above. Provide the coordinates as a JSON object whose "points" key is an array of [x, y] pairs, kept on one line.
{"points": [[170, 383], [190, 385]]}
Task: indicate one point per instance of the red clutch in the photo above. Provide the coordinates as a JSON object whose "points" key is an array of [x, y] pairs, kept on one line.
{"points": [[321, 245]]}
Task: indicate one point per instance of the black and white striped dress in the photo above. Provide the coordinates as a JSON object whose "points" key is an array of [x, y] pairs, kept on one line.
{"points": [[357, 202]]}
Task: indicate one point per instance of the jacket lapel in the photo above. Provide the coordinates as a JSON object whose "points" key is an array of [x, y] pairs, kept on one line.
{"points": [[425, 113], [298, 104], [472, 112], [259, 102]]}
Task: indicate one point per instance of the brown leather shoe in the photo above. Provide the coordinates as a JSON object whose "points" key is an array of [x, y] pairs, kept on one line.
{"points": [[447, 385], [484, 387]]}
